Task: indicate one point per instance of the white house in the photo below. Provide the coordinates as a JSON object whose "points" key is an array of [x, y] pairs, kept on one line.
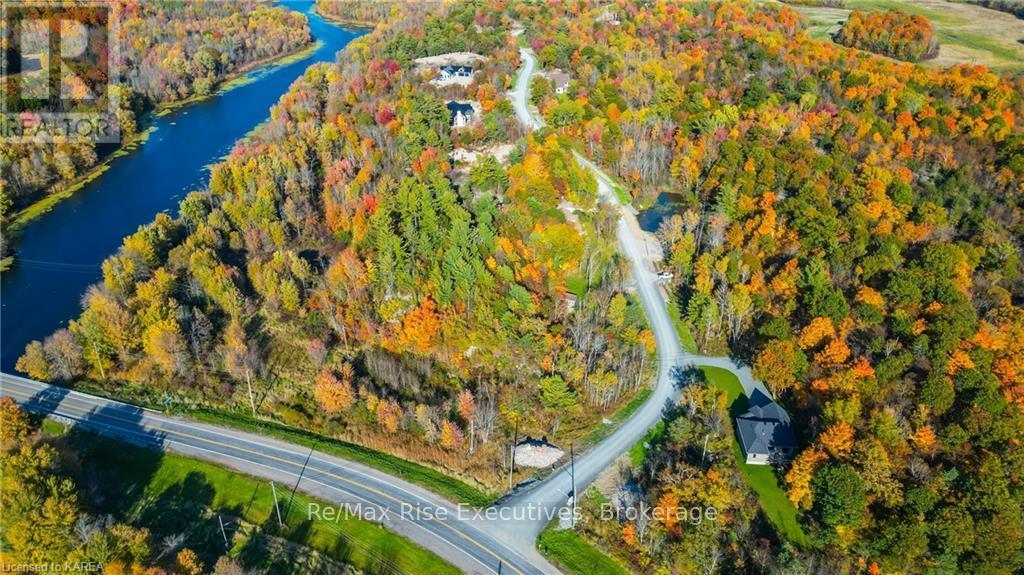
{"points": [[449, 72]]}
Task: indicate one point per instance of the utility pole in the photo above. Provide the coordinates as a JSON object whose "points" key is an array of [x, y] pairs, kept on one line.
{"points": [[252, 402], [512, 457], [223, 533], [572, 472], [276, 508], [99, 359]]}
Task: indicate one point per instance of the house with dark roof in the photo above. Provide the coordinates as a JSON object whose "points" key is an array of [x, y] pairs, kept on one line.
{"points": [[765, 432], [449, 72], [461, 113]]}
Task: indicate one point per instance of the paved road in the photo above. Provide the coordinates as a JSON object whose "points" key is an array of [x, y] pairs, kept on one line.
{"points": [[471, 543], [554, 492], [454, 535]]}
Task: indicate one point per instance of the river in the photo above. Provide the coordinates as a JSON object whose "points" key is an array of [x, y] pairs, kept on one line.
{"points": [[59, 254]]}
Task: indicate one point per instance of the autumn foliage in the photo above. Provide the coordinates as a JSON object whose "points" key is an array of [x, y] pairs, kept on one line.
{"points": [[167, 52], [908, 37], [366, 285], [849, 226]]}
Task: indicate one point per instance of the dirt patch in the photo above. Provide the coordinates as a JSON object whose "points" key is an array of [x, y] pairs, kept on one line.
{"points": [[450, 59], [467, 156], [613, 477]]}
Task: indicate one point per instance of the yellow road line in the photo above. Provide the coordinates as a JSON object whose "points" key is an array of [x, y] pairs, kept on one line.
{"points": [[325, 472]]}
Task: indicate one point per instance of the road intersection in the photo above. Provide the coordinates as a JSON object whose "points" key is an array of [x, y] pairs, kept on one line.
{"points": [[499, 540]]}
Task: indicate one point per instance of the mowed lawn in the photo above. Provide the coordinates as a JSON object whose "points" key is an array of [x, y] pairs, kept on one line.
{"points": [[761, 478], [171, 494], [574, 555]]}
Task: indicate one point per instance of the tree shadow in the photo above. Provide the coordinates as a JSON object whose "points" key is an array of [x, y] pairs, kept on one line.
{"points": [[45, 403], [179, 507], [739, 406], [762, 528], [685, 375], [89, 456], [259, 554], [188, 508], [122, 470], [114, 475]]}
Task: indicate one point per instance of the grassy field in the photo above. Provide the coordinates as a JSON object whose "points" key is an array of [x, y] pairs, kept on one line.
{"points": [[574, 555], [170, 494], [761, 478], [967, 33], [654, 435]]}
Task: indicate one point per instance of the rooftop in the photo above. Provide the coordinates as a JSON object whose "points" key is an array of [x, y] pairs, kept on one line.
{"points": [[765, 426], [560, 78]]}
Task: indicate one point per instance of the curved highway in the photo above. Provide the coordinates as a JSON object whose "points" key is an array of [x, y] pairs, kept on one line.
{"points": [[409, 510]]}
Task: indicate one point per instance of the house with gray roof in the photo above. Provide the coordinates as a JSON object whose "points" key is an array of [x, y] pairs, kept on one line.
{"points": [[765, 432], [560, 80]]}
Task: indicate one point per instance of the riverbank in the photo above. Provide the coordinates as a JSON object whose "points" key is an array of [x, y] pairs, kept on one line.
{"points": [[345, 22], [242, 77], [64, 190]]}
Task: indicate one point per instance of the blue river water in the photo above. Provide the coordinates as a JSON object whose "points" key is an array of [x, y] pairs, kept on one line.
{"points": [[59, 255]]}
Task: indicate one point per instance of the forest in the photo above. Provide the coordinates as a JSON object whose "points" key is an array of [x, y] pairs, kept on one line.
{"points": [[168, 52], [81, 503], [826, 3], [909, 37], [361, 286], [687, 471], [850, 225], [1015, 7], [45, 520]]}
